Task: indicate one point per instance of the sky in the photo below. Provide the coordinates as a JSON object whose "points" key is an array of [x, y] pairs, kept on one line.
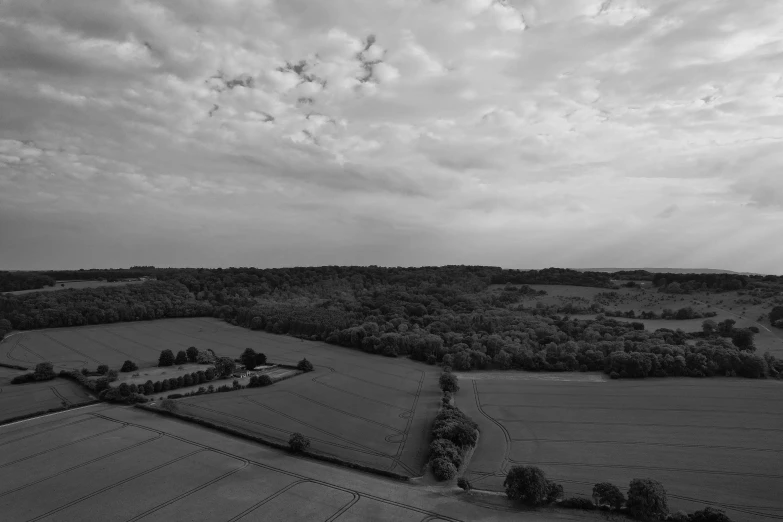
{"points": [[516, 133]]}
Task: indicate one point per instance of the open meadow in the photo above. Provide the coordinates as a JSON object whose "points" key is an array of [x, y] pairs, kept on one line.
{"points": [[105, 463], [374, 411], [708, 441], [65, 285]]}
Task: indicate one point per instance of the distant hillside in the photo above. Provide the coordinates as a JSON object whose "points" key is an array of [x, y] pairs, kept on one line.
{"points": [[665, 270]]}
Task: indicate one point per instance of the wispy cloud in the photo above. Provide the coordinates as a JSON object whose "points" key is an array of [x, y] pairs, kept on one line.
{"points": [[520, 133]]}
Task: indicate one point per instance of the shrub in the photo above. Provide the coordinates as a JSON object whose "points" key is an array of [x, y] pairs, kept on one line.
{"points": [[206, 357], [527, 484], [44, 372], [443, 469], [182, 357], [102, 369], [169, 405], [709, 514], [607, 494], [554, 491], [680, 516], [112, 375], [264, 380], [129, 366], [166, 358], [21, 379], [577, 503], [298, 442], [464, 483], [305, 365], [614, 375], [448, 382], [224, 366], [647, 499]]}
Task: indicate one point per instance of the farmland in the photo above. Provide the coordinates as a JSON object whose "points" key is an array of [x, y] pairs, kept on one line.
{"points": [[108, 463], [716, 442], [372, 411], [18, 400]]}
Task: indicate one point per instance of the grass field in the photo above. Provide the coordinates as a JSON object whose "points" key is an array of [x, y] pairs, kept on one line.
{"points": [[106, 464], [709, 441], [25, 399], [64, 285], [370, 410]]}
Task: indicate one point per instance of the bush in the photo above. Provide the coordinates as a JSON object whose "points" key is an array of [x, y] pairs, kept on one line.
{"points": [[298, 442], [169, 405], [264, 380], [443, 469], [305, 365], [129, 366], [577, 503], [112, 375], [647, 499], [448, 382], [527, 484], [554, 491], [166, 358], [464, 483], [709, 514], [102, 369], [607, 494], [24, 378]]}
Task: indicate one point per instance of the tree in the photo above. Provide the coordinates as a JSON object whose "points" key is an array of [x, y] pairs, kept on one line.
{"points": [[443, 468], [726, 327], [446, 449], [448, 382], [188, 379], [554, 491], [149, 388], [166, 358], [305, 365], [224, 366], [647, 499], [260, 359], [709, 327], [44, 371], [129, 366], [112, 375], [192, 354], [209, 374], [182, 357], [124, 389], [157, 387], [102, 369], [248, 358], [775, 315], [607, 494], [298, 442], [527, 484], [743, 339]]}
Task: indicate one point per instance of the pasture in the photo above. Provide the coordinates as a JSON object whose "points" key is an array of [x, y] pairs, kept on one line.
{"points": [[34, 397], [366, 409], [708, 441], [105, 463], [65, 285]]}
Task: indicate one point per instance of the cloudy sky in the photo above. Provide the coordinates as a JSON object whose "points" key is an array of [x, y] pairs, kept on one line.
{"points": [[519, 133]]}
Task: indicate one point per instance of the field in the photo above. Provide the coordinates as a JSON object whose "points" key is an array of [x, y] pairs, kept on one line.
{"points": [[106, 463], [64, 285], [25, 399], [374, 411], [709, 441]]}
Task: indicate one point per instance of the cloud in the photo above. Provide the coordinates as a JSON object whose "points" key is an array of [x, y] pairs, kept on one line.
{"points": [[517, 133]]}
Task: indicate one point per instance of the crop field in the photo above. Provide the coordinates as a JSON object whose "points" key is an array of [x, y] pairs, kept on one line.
{"points": [[24, 399], [64, 285], [708, 441], [117, 464], [370, 410]]}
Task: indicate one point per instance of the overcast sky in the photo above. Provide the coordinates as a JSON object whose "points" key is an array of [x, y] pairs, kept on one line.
{"points": [[519, 133]]}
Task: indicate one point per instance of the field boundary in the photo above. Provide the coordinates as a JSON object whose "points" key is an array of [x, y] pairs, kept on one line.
{"points": [[266, 442], [41, 413], [13, 366]]}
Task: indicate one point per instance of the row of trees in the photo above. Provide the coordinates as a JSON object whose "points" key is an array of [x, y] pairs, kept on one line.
{"points": [[44, 371], [453, 433], [15, 281], [646, 499]]}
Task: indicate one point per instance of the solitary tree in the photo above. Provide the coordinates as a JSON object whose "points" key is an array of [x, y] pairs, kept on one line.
{"points": [[527, 484], [647, 500], [192, 354], [129, 366], [298, 442], [166, 358], [182, 357], [305, 365]]}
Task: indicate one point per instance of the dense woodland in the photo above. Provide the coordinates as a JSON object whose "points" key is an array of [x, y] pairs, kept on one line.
{"points": [[432, 314]]}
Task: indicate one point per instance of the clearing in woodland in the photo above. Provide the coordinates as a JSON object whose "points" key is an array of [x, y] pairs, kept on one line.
{"points": [[712, 442]]}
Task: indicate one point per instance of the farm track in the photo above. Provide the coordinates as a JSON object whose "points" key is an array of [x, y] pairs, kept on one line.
{"points": [[640, 443], [506, 435], [65, 401], [655, 425], [74, 350], [117, 350], [426, 514], [688, 410], [401, 448]]}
